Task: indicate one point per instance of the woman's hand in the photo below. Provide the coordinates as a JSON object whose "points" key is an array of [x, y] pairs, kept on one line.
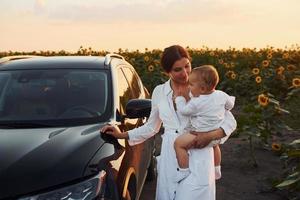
{"points": [[114, 131], [203, 139]]}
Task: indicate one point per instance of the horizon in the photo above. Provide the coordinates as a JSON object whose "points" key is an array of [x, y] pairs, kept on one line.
{"points": [[43, 25]]}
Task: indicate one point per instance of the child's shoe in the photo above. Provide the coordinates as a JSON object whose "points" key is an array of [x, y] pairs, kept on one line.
{"points": [[218, 174]]}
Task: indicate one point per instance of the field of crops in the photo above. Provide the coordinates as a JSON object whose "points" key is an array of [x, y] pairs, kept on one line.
{"points": [[265, 82]]}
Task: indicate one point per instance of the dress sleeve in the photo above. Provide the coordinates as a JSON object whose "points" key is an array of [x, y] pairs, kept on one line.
{"points": [[229, 125], [186, 108], [153, 124], [229, 102]]}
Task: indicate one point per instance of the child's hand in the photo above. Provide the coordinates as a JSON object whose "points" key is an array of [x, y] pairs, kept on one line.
{"points": [[185, 94]]}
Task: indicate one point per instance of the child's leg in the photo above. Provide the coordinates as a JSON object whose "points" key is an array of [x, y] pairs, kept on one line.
{"points": [[217, 155], [217, 158], [180, 145]]}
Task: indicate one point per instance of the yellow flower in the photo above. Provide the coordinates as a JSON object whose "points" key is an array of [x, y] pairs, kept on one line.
{"points": [[226, 65], [276, 146], [156, 62], [258, 79], [228, 73], [255, 71], [221, 61], [269, 56], [265, 63], [285, 56], [280, 70], [211, 53], [291, 67], [296, 82], [234, 55], [150, 68], [263, 100], [146, 58], [233, 76]]}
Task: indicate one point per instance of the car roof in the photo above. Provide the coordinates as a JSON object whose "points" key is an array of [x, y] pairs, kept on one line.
{"points": [[55, 62]]}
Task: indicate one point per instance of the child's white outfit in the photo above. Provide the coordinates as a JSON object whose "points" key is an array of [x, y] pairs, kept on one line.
{"points": [[206, 113]]}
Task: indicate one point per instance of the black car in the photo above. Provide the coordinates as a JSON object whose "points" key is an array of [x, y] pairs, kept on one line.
{"points": [[51, 111]]}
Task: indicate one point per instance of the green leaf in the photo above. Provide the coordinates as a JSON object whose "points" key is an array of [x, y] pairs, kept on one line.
{"points": [[287, 183], [295, 142], [294, 153]]}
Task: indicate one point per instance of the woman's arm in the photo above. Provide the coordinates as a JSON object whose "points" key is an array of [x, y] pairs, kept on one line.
{"points": [[142, 133], [203, 139]]}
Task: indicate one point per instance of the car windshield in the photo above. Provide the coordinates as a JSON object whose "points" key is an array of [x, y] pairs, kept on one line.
{"points": [[56, 96]]}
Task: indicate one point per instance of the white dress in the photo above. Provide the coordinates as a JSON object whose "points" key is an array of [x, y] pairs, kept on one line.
{"points": [[201, 182]]}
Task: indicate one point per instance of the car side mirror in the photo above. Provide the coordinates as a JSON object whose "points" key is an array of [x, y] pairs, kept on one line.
{"points": [[138, 108]]}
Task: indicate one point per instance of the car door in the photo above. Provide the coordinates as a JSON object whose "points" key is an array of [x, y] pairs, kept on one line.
{"points": [[137, 156]]}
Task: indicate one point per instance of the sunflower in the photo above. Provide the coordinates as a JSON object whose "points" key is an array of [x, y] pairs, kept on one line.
{"points": [[146, 58], [221, 61], [276, 146], [226, 65], [285, 56], [150, 68], [233, 76], [258, 79], [255, 71], [234, 55], [228, 73], [156, 62], [211, 53], [280, 70], [269, 56], [265, 63], [296, 82], [263, 100], [291, 67]]}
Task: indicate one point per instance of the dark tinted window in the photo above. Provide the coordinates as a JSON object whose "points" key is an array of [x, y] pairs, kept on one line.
{"points": [[124, 90], [57, 94], [133, 81]]}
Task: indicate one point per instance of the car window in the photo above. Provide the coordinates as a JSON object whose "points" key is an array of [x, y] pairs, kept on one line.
{"points": [[133, 81], [58, 94], [124, 91]]}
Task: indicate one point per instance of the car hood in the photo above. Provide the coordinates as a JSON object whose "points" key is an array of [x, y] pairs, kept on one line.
{"points": [[34, 159]]}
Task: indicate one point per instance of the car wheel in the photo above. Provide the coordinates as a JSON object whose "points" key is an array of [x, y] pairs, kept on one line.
{"points": [[131, 189], [152, 169], [128, 196]]}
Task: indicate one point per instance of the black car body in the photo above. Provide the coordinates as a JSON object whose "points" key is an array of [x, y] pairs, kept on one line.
{"points": [[51, 111]]}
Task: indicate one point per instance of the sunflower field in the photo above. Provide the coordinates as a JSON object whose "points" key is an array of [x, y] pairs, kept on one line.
{"points": [[265, 82]]}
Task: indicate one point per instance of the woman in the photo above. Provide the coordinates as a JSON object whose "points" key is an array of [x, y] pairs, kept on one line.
{"points": [[201, 183]]}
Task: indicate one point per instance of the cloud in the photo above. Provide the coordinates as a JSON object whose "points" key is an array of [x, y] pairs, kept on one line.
{"points": [[146, 11], [39, 6]]}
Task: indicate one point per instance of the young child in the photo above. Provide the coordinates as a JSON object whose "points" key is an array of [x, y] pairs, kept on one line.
{"points": [[206, 109]]}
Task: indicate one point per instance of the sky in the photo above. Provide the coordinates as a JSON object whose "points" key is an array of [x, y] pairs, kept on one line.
{"points": [[34, 25]]}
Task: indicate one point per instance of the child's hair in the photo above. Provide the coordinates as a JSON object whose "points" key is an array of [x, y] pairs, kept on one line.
{"points": [[207, 75]]}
